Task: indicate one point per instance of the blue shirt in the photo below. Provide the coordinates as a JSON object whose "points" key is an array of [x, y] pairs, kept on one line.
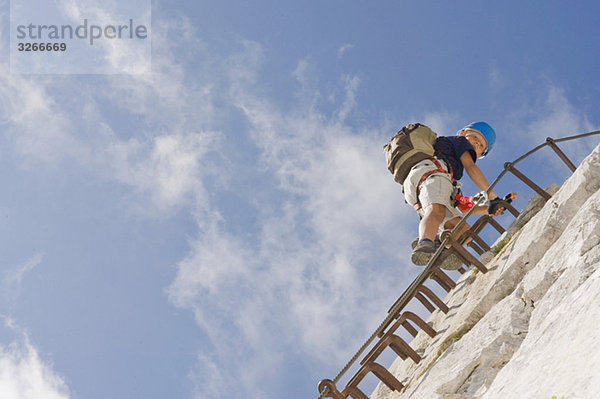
{"points": [[450, 149]]}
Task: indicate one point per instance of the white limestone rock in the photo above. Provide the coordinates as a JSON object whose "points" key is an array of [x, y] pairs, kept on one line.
{"points": [[559, 356], [472, 362]]}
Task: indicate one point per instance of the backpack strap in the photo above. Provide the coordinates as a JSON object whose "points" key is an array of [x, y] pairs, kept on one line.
{"points": [[439, 169]]}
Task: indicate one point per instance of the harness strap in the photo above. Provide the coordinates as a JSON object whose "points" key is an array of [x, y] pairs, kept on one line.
{"points": [[439, 169]]}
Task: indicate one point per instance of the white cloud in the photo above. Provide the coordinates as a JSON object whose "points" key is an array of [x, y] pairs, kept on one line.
{"points": [[121, 56], [344, 48], [496, 78], [351, 84], [25, 375], [553, 115], [557, 117], [305, 74], [166, 170], [330, 250], [13, 278], [37, 125], [443, 123], [217, 263], [333, 236], [54, 120], [209, 380]]}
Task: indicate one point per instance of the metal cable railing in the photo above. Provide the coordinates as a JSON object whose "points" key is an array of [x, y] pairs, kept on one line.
{"points": [[327, 388]]}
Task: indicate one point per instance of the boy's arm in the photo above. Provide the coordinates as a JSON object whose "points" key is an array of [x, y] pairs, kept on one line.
{"points": [[476, 174], [479, 210]]}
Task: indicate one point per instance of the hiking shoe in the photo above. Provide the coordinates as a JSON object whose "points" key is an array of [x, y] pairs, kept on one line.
{"points": [[450, 261], [437, 242], [422, 253]]}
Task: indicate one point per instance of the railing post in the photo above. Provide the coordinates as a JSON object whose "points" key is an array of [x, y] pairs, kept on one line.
{"points": [[510, 167], [560, 154]]}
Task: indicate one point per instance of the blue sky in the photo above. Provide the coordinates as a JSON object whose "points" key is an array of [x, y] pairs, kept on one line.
{"points": [[225, 226]]}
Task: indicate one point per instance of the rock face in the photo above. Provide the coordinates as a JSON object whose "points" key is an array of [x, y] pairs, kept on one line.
{"points": [[530, 327]]}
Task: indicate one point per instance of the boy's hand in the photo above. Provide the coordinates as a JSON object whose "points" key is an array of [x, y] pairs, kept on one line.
{"points": [[495, 207]]}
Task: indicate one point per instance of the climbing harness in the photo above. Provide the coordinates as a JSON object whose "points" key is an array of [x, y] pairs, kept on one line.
{"points": [[439, 169]]}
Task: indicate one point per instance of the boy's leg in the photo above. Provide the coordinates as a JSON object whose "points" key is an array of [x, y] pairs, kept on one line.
{"points": [[434, 196], [453, 262], [450, 224], [433, 216]]}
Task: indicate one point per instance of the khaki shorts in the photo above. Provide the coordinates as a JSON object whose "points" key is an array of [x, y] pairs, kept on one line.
{"points": [[436, 189]]}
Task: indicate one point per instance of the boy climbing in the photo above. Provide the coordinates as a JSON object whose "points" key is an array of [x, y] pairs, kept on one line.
{"points": [[431, 185]]}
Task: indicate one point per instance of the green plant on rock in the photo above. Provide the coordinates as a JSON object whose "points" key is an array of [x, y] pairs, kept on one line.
{"points": [[496, 249], [459, 335]]}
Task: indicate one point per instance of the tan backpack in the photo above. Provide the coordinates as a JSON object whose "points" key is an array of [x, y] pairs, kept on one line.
{"points": [[412, 144]]}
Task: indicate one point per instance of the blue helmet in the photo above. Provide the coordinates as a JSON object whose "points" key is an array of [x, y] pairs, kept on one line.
{"points": [[487, 132]]}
